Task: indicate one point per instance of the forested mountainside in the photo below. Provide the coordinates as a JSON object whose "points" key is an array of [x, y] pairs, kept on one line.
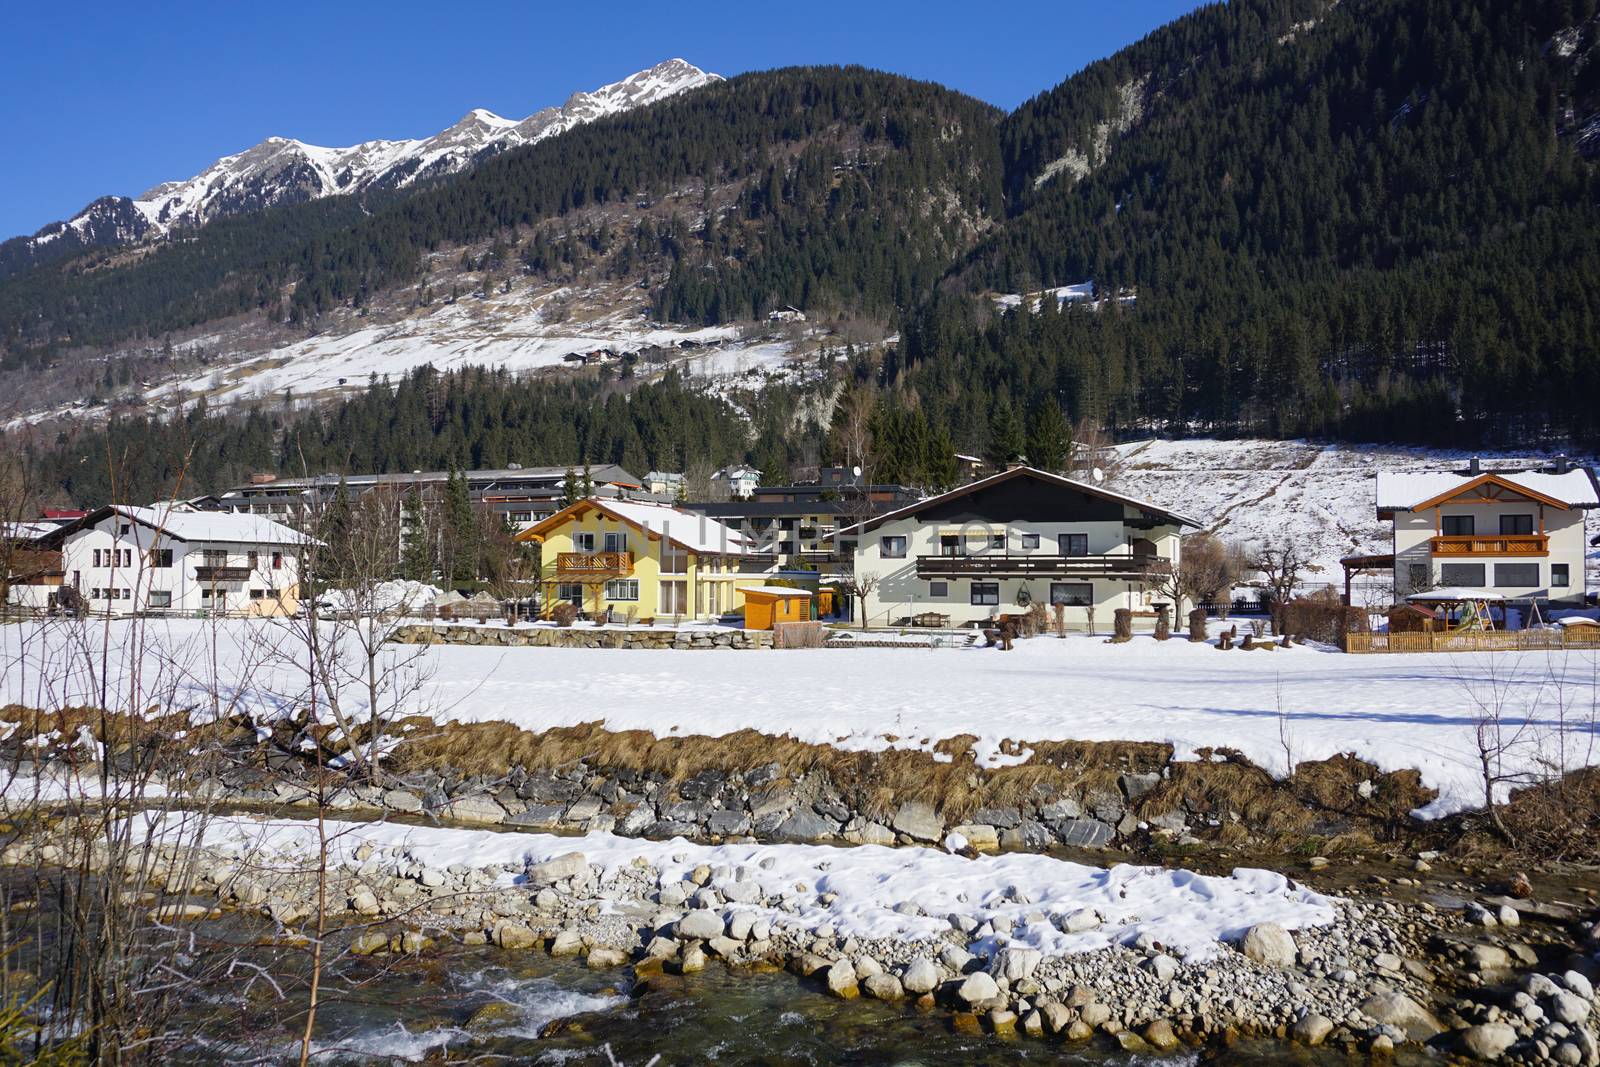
{"points": [[1373, 219], [847, 187], [1367, 219]]}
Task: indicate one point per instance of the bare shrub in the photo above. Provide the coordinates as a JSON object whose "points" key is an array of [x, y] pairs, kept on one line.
{"points": [[565, 613], [1322, 616], [1197, 624]]}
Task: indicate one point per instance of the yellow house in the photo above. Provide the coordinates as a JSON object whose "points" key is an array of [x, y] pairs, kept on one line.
{"points": [[643, 561]]}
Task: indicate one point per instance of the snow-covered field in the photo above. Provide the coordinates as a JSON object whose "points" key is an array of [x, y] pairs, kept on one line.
{"points": [[853, 890], [1397, 711], [1318, 495]]}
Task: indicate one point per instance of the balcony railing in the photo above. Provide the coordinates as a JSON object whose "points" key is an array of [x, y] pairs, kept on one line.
{"points": [[579, 565], [219, 573], [989, 565], [1492, 545]]}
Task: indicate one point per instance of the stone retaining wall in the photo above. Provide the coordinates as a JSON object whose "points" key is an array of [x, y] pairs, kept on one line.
{"points": [[548, 637]]}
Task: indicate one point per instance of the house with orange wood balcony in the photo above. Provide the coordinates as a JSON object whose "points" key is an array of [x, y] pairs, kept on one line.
{"points": [[1514, 533]]}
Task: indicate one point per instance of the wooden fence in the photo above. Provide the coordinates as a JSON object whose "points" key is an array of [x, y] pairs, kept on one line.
{"points": [[1555, 638]]}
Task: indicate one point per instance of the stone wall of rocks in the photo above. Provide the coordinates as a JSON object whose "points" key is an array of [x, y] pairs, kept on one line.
{"points": [[496, 633], [716, 805]]}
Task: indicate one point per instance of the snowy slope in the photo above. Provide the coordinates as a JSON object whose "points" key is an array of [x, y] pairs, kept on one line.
{"points": [[281, 170], [1322, 496]]}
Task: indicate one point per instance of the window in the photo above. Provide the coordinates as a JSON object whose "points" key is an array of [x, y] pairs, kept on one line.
{"points": [[160, 598], [127, 557], [1030, 541], [674, 599], [950, 545], [1072, 594], [1462, 574], [205, 594], [160, 557], [1516, 575], [214, 557], [277, 560], [257, 594], [938, 589], [622, 589], [94, 594], [1559, 578], [616, 542], [571, 592], [1456, 525], [583, 541], [674, 560], [1419, 575], [251, 559], [1516, 524], [997, 542], [1072, 544], [986, 592], [95, 559], [124, 528], [892, 547]]}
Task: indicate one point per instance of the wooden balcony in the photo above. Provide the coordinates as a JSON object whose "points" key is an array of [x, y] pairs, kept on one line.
{"points": [[987, 565], [1492, 545], [580, 566]]}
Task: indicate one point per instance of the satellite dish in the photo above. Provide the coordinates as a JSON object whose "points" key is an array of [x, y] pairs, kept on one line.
{"points": [[1098, 475], [856, 471]]}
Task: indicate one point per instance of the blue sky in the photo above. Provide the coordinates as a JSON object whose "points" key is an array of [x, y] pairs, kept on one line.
{"points": [[99, 97]]}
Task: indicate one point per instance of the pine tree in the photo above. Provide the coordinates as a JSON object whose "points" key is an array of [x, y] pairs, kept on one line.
{"points": [[462, 535], [416, 560], [1049, 437], [1005, 433], [569, 489]]}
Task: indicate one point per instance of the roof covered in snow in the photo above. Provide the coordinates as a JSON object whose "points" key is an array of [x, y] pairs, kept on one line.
{"points": [[1453, 593], [772, 590], [688, 530], [1403, 490], [183, 525]]}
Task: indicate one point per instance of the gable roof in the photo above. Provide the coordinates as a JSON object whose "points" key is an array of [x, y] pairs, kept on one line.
{"points": [[1025, 472], [689, 530], [185, 525], [1414, 490]]}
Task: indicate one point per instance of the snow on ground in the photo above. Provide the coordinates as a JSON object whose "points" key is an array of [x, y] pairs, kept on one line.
{"points": [[1397, 711], [1319, 495], [1188, 912]]}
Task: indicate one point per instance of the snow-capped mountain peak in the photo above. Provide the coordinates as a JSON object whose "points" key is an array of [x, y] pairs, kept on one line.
{"points": [[282, 170]]}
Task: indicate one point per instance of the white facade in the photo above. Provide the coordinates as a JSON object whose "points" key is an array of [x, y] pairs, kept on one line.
{"points": [[1516, 534], [127, 560], [741, 481], [975, 553]]}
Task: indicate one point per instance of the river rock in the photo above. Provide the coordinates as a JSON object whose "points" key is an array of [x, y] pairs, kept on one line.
{"points": [[477, 810], [402, 800], [1489, 958], [805, 825], [859, 831], [1312, 1029], [603, 957], [742, 892], [364, 902], [702, 925], [1397, 1009], [558, 869], [884, 987], [1014, 963], [1057, 1016], [1159, 1034], [921, 976], [1487, 1041], [740, 923], [567, 943], [1568, 1008], [977, 988], [841, 981], [1094, 1014], [368, 942], [1081, 920], [726, 947], [1578, 984], [980, 837], [919, 821], [1085, 833], [1268, 944], [1163, 967], [514, 935], [694, 959], [1003, 1022]]}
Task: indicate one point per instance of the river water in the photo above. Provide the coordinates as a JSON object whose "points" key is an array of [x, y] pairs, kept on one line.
{"points": [[483, 1005]]}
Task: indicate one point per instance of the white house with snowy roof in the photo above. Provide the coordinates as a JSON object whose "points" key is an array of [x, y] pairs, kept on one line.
{"points": [[1517, 534], [171, 558]]}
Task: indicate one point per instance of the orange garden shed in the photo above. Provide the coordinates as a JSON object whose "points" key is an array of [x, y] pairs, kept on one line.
{"points": [[767, 605]]}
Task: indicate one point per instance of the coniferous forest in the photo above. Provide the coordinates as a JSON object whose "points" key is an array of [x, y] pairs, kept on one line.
{"points": [[1375, 220]]}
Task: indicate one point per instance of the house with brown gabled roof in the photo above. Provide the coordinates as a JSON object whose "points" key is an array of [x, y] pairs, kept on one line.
{"points": [[1515, 534], [1004, 542]]}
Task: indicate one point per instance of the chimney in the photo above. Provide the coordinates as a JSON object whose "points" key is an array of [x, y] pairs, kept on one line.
{"points": [[1474, 468], [1563, 465]]}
